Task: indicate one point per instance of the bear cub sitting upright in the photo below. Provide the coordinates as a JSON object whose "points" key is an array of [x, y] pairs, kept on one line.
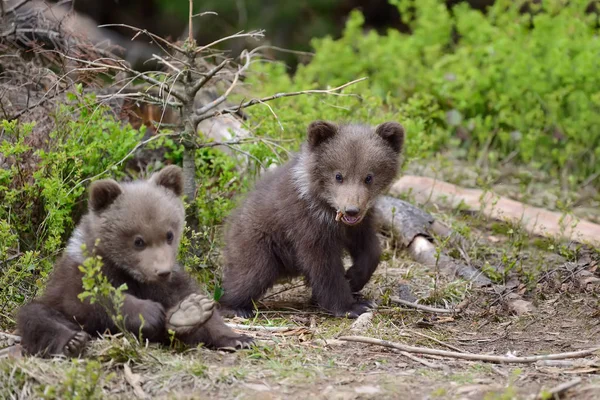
{"points": [[300, 218], [136, 227]]}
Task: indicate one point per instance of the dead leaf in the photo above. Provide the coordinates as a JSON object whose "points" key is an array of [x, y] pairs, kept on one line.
{"points": [[134, 381]]}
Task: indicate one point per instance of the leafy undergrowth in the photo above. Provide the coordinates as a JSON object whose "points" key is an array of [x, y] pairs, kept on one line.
{"points": [[309, 361]]}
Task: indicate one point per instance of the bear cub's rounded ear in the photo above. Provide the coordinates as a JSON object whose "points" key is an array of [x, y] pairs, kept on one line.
{"points": [[170, 177], [393, 134], [103, 193], [319, 132]]}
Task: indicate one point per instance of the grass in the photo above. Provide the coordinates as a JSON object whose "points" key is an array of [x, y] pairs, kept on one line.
{"points": [[299, 364]]}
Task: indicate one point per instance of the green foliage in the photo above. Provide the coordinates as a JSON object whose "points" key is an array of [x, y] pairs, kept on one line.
{"points": [[222, 179], [489, 85], [82, 381], [97, 288], [42, 189]]}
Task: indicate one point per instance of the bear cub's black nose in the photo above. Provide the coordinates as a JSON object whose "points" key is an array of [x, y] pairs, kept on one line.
{"points": [[352, 211]]}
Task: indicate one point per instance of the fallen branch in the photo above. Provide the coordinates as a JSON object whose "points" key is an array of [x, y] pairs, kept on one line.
{"points": [[423, 307], [470, 356]]}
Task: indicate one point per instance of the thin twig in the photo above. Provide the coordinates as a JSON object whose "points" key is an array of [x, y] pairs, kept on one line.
{"points": [[149, 34], [470, 356], [198, 85], [159, 58], [275, 96], [190, 22], [148, 98], [9, 259], [202, 14], [420, 360], [121, 67], [422, 307], [558, 390], [14, 8], [260, 327], [240, 34], [438, 341], [224, 96], [283, 50]]}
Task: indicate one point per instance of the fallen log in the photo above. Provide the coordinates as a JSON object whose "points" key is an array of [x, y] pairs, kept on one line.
{"points": [[412, 226], [534, 220]]}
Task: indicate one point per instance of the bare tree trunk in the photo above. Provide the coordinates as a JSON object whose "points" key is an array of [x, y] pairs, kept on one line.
{"points": [[189, 183]]}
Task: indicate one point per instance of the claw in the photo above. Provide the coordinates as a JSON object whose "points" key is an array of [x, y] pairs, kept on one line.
{"points": [[76, 345]]}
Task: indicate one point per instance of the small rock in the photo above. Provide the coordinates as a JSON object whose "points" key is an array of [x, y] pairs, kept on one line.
{"points": [[362, 323], [521, 307], [367, 389], [259, 387], [405, 293]]}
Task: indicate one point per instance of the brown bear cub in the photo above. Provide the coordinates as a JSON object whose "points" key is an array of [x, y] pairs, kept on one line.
{"points": [[137, 227], [300, 218]]}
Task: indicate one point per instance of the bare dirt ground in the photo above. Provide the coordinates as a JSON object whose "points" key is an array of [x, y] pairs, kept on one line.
{"points": [[558, 280]]}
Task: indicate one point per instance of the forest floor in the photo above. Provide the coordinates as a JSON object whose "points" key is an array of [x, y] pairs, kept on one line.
{"points": [[559, 280]]}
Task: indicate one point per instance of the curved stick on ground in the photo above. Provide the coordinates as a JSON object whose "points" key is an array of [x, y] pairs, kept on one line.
{"points": [[423, 307], [471, 356], [260, 328]]}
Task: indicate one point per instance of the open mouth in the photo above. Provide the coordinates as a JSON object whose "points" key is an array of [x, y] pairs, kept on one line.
{"points": [[348, 220]]}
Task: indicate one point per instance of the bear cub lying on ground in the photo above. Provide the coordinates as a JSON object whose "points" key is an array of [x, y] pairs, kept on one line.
{"points": [[138, 226], [300, 218]]}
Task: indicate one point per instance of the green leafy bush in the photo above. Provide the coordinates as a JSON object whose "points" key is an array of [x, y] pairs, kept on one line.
{"points": [[42, 190], [504, 83]]}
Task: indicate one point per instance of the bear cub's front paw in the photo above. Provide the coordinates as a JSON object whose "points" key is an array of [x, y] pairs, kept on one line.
{"points": [[190, 313], [356, 309]]}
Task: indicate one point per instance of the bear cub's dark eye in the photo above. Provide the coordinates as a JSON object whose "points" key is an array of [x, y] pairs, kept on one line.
{"points": [[139, 243], [339, 178], [169, 237], [369, 179]]}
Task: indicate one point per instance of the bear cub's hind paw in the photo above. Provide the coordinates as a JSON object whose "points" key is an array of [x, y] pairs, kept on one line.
{"points": [[233, 343], [76, 345], [190, 313]]}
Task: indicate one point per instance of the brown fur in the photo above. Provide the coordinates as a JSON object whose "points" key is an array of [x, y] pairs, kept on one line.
{"points": [[139, 226], [287, 226]]}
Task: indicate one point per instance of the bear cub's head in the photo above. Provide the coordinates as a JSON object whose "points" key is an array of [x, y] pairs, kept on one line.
{"points": [[139, 224], [350, 165]]}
